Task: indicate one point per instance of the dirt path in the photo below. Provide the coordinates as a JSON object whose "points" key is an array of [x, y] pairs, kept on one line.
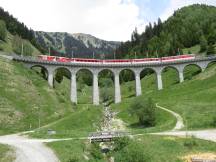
{"points": [[29, 150], [179, 124], [209, 135]]}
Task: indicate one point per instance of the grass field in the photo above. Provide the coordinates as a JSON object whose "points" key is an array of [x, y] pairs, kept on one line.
{"points": [[167, 149], [158, 149]]}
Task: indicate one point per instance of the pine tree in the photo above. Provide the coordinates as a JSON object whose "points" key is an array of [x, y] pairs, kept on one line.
{"points": [[203, 43], [211, 50], [3, 30]]}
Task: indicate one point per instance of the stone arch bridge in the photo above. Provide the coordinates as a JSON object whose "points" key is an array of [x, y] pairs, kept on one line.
{"points": [[115, 68]]}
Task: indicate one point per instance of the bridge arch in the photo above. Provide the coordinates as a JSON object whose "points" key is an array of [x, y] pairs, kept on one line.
{"points": [[126, 77], [60, 73], [41, 70], [84, 81], [211, 63], [190, 70], [106, 85], [170, 75], [149, 79]]}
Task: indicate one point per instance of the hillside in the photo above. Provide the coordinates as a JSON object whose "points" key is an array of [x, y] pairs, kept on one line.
{"points": [[80, 45], [10, 45], [189, 26], [26, 99]]}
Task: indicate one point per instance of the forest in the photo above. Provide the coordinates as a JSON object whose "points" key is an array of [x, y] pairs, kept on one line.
{"points": [[189, 26]]}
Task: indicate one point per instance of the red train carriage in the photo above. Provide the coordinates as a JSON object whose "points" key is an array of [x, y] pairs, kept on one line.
{"points": [[119, 61]]}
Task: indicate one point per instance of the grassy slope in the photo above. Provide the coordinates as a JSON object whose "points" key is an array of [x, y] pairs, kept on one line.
{"points": [[23, 93]]}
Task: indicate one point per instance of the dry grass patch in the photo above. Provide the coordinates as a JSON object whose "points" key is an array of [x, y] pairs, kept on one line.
{"points": [[204, 156]]}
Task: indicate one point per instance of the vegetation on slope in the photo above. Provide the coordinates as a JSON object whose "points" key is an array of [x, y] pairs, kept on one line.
{"points": [[6, 154], [148, 148], [17, 28], [26, 100], [188, 26], [192, 99]]}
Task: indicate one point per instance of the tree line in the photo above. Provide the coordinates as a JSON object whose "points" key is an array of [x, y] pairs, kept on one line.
{"points": [[17, 28]]}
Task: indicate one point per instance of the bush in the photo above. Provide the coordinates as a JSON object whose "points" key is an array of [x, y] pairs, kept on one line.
{"points": [[144, 110], [190, 142], [211, 50], [214, 121], [132, 153], [95, 152], [121, 143], [106, 94], [3, 31]]}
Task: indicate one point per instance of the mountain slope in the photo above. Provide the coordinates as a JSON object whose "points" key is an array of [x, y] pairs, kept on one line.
{"points": [[78, 45]]}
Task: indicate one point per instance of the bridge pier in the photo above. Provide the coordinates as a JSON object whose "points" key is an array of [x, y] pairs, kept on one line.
{"points": [[181, 76], [117, 87], [50, 77], [138, 84], [159, 81], [95, 89], [73, 87]]}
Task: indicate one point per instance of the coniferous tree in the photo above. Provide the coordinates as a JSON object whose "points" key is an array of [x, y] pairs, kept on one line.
{"points": [[3, 31], [211, 49], [203, 43]]}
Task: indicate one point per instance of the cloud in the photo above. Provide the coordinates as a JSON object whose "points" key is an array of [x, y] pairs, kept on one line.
{"points": [[176, 4], [106, 19]]}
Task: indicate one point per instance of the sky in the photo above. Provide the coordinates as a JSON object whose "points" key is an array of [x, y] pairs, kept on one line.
{"points": [[106, 19]]}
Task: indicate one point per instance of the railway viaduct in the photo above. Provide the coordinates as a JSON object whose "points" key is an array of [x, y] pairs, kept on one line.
{"points": [[115, 68]]}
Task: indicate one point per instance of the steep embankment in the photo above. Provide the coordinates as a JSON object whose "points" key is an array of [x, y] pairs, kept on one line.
{"points": [[13, 44]]}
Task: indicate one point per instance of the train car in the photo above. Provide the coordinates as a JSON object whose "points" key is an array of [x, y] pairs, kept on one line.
{"points": [[116, 61], [119, 61], [176, 58], [63, 59], [47, 58], [88, 61], [146, 60]]}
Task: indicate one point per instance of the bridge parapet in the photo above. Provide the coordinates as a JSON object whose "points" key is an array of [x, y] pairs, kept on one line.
{"points": [[106, 136]]}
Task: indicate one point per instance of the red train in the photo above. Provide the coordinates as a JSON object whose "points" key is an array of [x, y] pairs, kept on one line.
{"points": [[119, 61]]}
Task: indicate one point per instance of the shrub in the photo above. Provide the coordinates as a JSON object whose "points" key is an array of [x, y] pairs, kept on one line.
{"points": [[132, 153], [95, 152], [121, 143], [144, 110], [190, 142], [211, 50], [106, 94], [214, 121]]}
